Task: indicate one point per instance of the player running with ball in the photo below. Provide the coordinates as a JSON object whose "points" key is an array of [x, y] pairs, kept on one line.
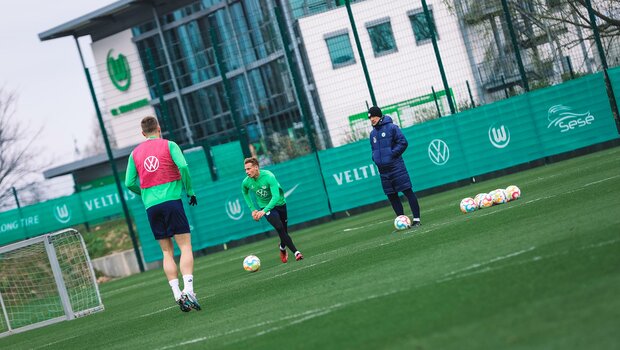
{"points": [[270, 199]]}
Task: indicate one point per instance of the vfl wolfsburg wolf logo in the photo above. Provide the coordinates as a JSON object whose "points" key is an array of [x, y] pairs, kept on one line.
{"points": [[563, 117], [118, 71], [62, 213], [499, 136], [234, 209]]}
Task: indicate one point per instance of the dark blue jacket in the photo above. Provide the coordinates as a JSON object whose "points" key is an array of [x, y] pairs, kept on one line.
{"points": [[388, 144]]}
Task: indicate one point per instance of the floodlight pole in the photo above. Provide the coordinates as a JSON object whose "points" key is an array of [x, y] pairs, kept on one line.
{"points": [[108, 149]]}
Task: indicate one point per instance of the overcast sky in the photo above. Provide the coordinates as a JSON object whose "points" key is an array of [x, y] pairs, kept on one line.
{"points": [[47, 76]]}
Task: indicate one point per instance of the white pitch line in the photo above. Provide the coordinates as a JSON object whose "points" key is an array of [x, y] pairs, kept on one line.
{"points": [[55, 342], [365, 226], [599, 181], [490, 261], [295, 270], [122, 289], [158, 311]]}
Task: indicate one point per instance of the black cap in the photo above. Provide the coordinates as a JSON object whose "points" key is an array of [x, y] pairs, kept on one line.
{"points": [[375, 111]]}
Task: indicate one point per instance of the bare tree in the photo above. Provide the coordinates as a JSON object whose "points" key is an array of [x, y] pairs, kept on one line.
{"points": [[574, 13], [96, 145], [17, 169]]}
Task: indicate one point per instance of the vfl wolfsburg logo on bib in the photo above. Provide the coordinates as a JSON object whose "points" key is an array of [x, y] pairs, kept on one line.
{"points": [[234, 208], [62, 213]]}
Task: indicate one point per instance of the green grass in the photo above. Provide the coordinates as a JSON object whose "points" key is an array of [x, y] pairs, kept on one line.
{"points": [[542, 272]]}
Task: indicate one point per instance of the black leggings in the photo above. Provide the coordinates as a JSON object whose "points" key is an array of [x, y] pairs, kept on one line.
{"points": [[278, 218], [397, 205]]}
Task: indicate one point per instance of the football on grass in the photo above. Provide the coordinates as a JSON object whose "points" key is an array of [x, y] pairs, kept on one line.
{"points": [[484, 200], [468, 205], [513, 192], [402, 222], [251, 263]]}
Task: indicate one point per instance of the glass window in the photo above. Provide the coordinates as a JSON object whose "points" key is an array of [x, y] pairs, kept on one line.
{"points": [[381, 38], [143, 28], [153, 45], [420, 26], [262, 27], [340, 50], [226, 39]]}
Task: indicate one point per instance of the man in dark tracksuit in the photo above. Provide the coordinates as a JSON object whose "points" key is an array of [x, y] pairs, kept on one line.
{"points": [[388, 144]]}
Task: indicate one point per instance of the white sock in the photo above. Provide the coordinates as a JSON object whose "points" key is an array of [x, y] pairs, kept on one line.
{"points": [[188, 283], [416, 219], [297, 252], [174, 284], [282, 248]]}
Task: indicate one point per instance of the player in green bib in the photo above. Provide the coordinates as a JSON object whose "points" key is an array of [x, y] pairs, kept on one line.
{"points": [[270, 198]]}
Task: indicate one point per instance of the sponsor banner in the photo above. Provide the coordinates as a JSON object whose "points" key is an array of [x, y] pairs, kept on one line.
{"points": [[498, 135], [572, 115], [434, 156], [614, 76], [351, 177], [61, 212]]}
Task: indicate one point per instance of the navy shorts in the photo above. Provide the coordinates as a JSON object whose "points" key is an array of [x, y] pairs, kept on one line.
{"points": [[167, 219]]}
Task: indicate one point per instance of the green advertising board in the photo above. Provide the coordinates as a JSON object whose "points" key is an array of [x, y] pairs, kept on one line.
{"points": [[61, 212]]}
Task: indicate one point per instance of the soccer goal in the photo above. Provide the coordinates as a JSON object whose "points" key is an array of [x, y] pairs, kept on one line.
{"points": [[44, 280]]}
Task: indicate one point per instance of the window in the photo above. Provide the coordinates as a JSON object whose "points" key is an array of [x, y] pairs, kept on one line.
{"points": [[381, 37], [340, 50], [420, 26]]}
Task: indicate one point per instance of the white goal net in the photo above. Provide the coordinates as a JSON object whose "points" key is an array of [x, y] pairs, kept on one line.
{"points": [[44, 280]]}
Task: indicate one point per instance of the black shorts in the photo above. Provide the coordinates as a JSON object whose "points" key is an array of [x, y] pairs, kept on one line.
{"points": [[167, 219]]}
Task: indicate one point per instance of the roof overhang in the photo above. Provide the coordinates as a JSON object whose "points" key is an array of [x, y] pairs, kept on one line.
{"points": [[69, 168], [112, 19]]}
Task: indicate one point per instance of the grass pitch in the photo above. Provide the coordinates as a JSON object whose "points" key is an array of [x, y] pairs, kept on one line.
{"points": [[540, 272]]}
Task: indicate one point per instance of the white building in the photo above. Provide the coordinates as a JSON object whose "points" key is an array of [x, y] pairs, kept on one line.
{"points": [[399, 54]]}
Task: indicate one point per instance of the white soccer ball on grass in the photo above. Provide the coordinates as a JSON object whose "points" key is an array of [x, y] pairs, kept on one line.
{"points": [[468, 205], [402, 222], [251, 263]]}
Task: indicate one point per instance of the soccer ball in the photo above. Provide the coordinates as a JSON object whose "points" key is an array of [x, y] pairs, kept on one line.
{"points": [[484, 200], [402, 222], [251, 263], [499, 196], [513, 192], [468, 205], [477, 198]]}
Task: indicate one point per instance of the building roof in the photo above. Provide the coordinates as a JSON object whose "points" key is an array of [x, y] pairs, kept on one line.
{"points": [[86, 162], [111, 19]]}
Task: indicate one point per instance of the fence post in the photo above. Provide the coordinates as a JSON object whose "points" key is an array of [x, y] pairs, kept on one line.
{"points": [[117, 180], [300, 95], [242, 133], [436, 103], [160, 94], [471, 97], [613, 103], [361, 53], [515, 45], [431, 28]]}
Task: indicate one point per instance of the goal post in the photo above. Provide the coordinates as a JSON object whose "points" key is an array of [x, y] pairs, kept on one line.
{"points": [[44, 280]]}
